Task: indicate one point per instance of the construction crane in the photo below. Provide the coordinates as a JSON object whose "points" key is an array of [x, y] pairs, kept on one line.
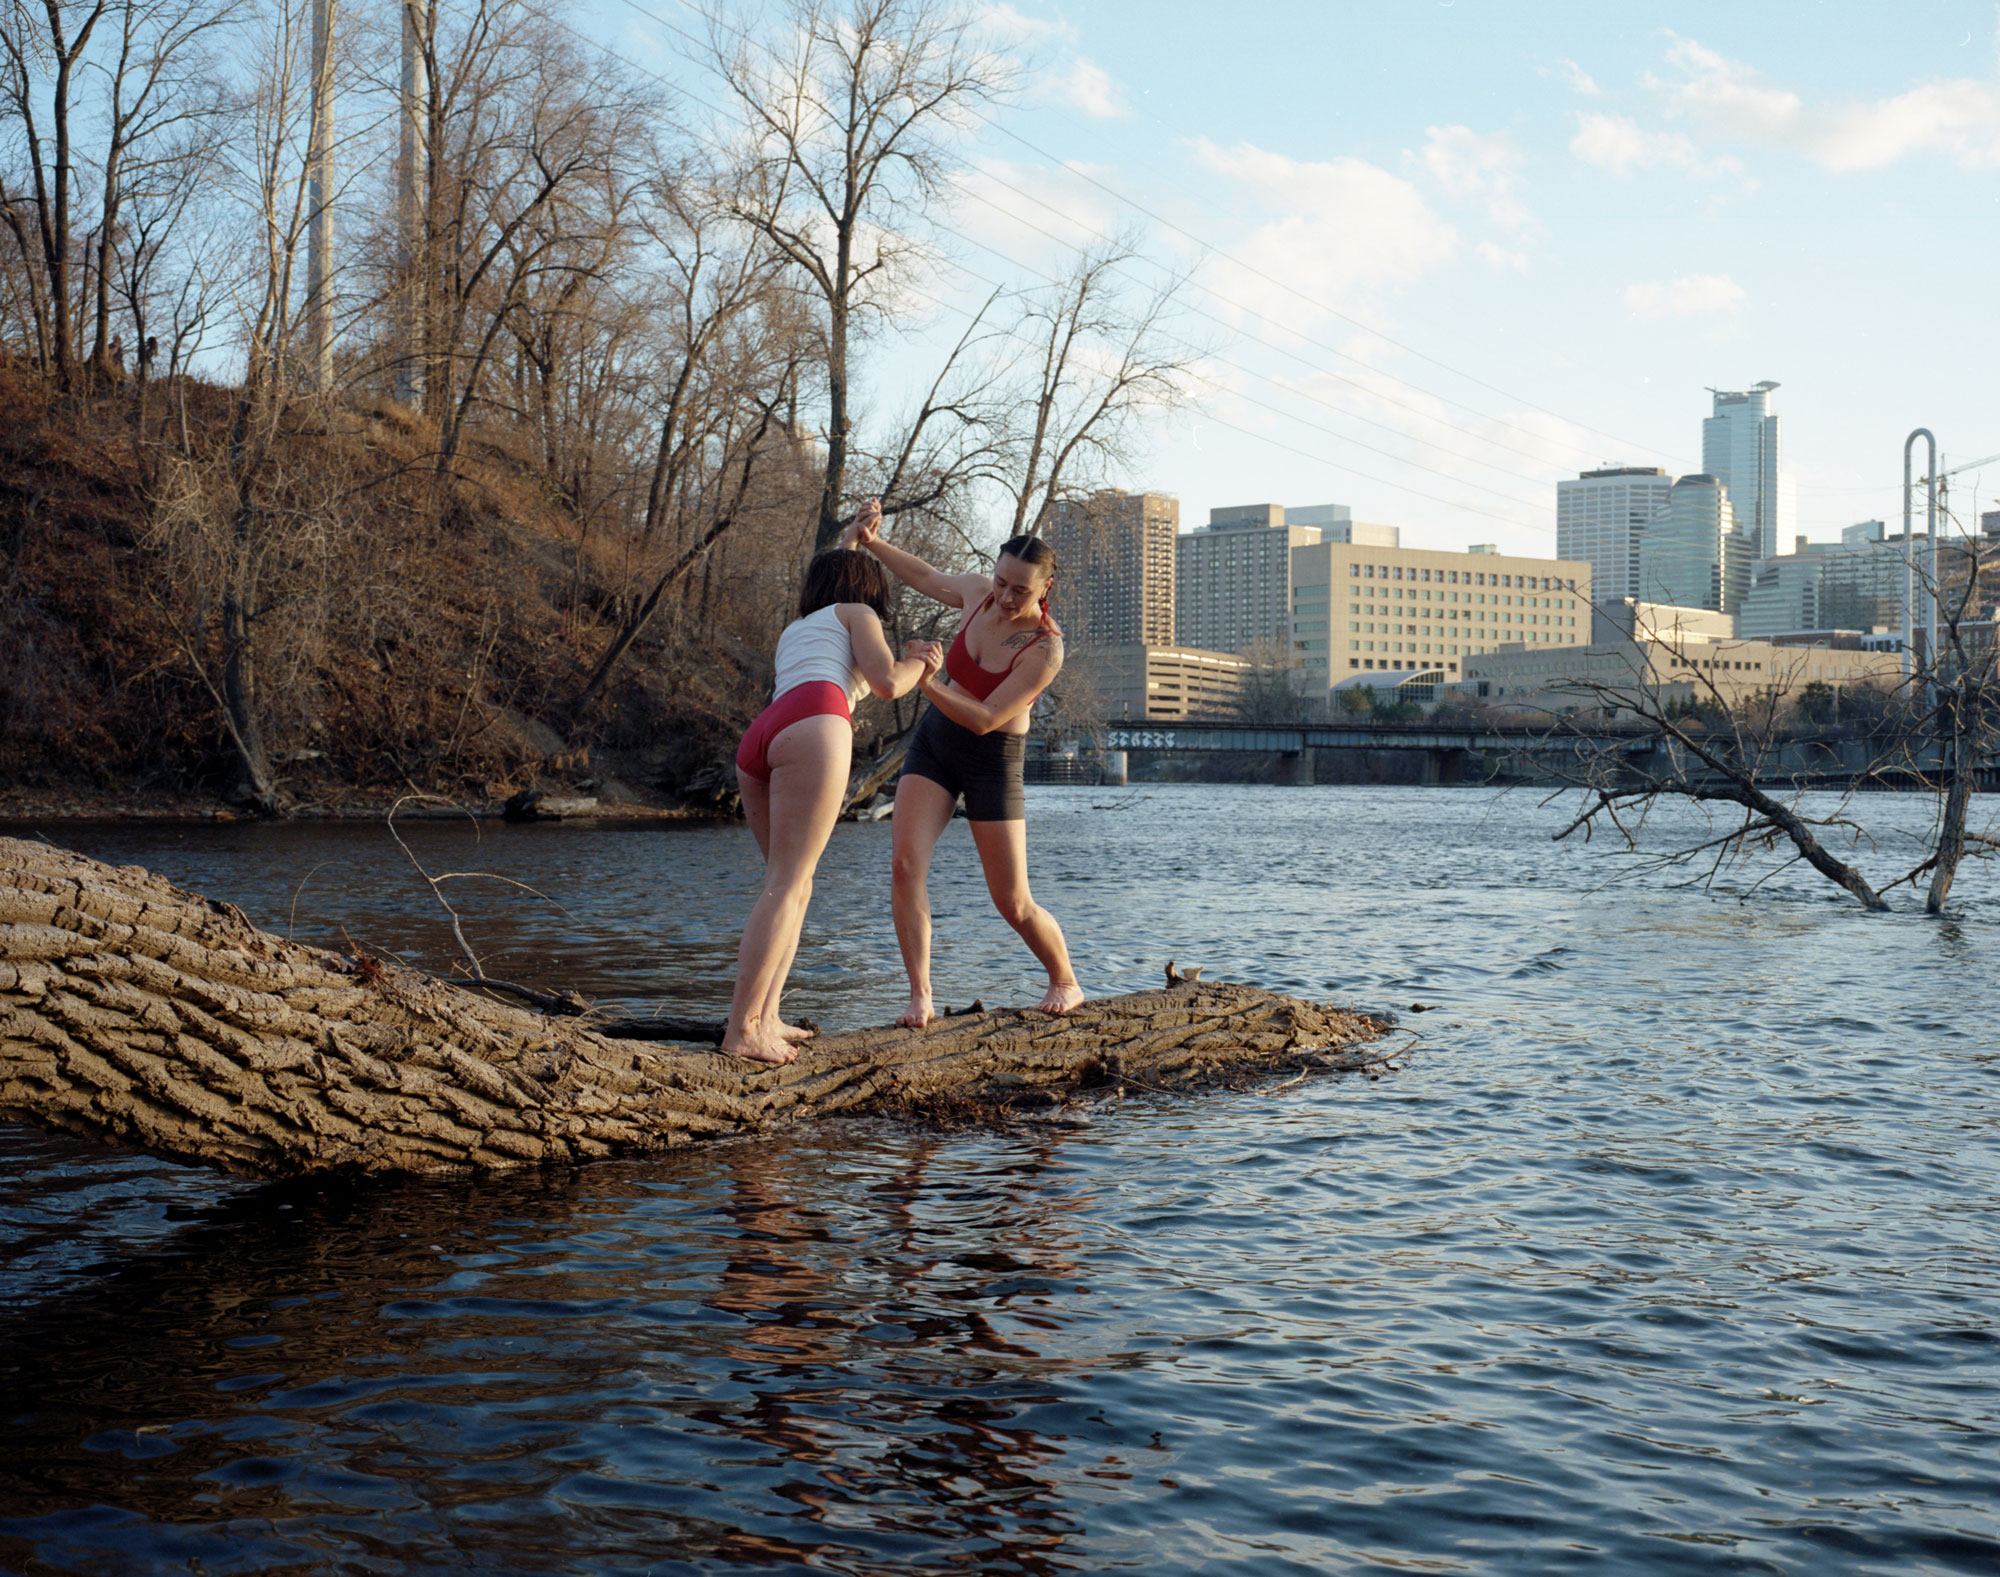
{"points": [[1944, 490]]}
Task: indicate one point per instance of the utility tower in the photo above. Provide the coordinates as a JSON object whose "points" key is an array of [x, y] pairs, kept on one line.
{"points": [[413, 198], [1910, 551], [319, 232]]}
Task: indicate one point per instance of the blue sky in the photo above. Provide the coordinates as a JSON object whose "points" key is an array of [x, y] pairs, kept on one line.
{"points": [[1499, 243]]}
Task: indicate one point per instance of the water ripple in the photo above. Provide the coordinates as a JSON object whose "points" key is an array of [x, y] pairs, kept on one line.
{"points": [[1673, 1251]]}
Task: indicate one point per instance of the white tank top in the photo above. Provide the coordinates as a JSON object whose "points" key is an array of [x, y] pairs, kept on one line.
{"points": [[817, 647]]}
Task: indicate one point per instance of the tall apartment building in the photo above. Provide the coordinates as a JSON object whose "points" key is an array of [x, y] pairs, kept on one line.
{"points": [[1600, 517], [1740, 449], [1694, 555], [1357, 607], [1233, 576], [1115, 567]]}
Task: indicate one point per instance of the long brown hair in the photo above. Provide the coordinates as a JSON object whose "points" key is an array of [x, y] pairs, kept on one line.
{"points": [[843, 575]]}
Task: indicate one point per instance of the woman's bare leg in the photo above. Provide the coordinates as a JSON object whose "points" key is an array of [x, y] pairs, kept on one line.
{"points": [[1003, 854], [923, 811], [809, 763], [756, 794]]}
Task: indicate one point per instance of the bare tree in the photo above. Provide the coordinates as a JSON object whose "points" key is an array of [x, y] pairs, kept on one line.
{"points": [[44, 54], [164, 110], [726, 375], [849, 115], [1680, 735], [240, 529], [1959, 687], [1267, 691], [525, 147], [107, 101], [1102, 357]]}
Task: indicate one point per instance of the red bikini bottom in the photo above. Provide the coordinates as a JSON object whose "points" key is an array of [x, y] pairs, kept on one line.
{"points": [[814, 698]]}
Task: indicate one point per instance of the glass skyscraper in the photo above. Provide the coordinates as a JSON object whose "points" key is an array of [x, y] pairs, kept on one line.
{"points": [[1694, 556], [1740, 448]]}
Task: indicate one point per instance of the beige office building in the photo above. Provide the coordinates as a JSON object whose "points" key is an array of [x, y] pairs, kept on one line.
{"points": [[1115, 567], [1577, 679], [1135, 683], [1628, 619], [1357, 608], [1233, 576]]}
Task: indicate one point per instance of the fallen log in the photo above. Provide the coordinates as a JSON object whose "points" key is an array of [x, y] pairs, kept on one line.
{"points": [[139, 1014]]}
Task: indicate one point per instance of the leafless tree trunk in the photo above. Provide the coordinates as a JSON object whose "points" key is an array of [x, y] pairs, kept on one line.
{"points": [[1962, 684], [138, 1014], [49, 48]]}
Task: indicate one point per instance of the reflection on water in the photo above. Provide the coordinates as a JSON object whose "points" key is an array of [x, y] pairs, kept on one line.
{"points": [[1674, 1251]]}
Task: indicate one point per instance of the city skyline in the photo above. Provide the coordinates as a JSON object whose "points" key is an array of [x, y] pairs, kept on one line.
{"points": [[1441, 259]]}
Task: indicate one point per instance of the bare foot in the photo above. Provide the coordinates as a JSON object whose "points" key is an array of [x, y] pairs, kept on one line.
{"points": [[796, 1032], [759, 1044], [918, 1013], [1062, 998]]}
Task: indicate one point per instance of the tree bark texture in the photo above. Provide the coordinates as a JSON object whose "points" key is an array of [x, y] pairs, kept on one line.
{"points": [[139, 1014]]}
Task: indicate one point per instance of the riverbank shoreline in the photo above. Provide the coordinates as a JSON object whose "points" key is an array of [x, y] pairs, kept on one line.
{"points": [[25, 808]]}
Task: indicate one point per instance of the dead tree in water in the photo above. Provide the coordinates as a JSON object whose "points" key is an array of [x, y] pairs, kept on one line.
{"points": [[1683, 739], [1682, 735], [139, 1014]]}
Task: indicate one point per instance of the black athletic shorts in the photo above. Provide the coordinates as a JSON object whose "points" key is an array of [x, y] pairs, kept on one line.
{"points": [[985, 768]]}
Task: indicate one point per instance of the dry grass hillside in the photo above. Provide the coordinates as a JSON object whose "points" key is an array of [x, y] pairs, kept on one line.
{"points": [[412, 633]]}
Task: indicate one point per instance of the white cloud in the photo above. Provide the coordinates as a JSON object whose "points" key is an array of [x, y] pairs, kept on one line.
{"points": [[1578, 79], [1501, 257], [1059, 74], [1467, 164], [1009, 26], [1344, 225], [1697, 295], [1621, 145], [1726, 95], [1090, 88], [1957, 118], [1031, 213]]}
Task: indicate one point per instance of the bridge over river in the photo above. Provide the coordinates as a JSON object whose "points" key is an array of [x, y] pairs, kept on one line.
{"points": [[1427, 752]]}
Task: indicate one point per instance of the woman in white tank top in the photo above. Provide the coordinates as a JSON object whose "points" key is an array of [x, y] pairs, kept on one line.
{"points": [[792, 768]]}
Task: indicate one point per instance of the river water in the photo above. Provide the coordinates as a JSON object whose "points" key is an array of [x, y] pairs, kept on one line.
{"points": [[1673, 1248]]}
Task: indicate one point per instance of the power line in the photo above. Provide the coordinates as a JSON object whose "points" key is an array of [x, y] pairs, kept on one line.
{"points": [[1279, 443], [1210, 249], [1248, 372], [1265, 377]]}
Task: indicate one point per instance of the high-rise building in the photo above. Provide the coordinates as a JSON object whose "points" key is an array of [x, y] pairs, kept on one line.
{"points": [[1357, 607], [1115, 567], [1693, 556], [1233, 579], [1854, 584], [1740, 449], [1600, 516], [1233, 576]]}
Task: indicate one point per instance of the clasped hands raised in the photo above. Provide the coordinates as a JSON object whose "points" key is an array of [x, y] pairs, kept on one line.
{"points": [[929, 653], [865, 527]]}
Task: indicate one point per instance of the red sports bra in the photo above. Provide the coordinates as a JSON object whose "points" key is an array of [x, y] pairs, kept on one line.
{"points": [[978, 682]]}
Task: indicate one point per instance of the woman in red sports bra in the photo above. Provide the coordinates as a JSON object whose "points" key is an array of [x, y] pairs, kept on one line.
{"points": [[970, 744]]}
